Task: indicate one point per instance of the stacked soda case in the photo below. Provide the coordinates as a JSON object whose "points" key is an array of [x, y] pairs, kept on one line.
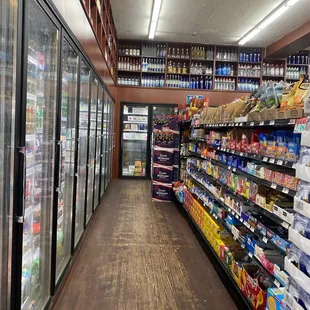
{"points": [[165, 169]]}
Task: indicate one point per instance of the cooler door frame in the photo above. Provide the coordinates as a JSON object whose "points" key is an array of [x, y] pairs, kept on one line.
{"points": [[20, 140]]}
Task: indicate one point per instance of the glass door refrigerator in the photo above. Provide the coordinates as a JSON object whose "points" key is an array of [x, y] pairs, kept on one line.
{"points": [[91, 148], [66, 153], [99, 153], [40, 137], [83, 123], [112, 139], [134, 152], [108, 134], [105, 123], [8, 28]]}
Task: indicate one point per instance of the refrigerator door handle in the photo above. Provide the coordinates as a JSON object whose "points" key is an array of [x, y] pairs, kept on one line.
{"points": [[20, 218], [60, 145]]}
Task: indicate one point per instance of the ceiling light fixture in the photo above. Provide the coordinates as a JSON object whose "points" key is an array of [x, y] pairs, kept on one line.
{"points": [[268, 20], [154, 20]]}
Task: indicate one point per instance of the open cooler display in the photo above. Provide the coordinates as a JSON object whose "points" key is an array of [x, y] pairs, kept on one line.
{"points": [[40, 160], [66, 146], [134, 140], [82, 151]]}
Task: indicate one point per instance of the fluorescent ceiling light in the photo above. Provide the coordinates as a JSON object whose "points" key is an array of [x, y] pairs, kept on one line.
{"points": [[154, 20], [268, 20]]}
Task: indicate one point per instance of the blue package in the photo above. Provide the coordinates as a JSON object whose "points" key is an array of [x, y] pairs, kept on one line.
{"points": [[302, 225], [299, 259]]}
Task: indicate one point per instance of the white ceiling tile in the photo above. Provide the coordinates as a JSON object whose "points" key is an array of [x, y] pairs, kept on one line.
{"points": [[206, 21]]}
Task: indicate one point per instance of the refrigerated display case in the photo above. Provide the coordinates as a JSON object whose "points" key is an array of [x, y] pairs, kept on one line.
{"points": [[66, 144], [91, 148], [82, 151], [134, 140], [40, 129], [111, 139], [99, 153], [8, 29]]}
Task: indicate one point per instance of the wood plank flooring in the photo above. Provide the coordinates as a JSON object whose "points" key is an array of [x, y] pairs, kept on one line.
{"points": [[141, 255]]}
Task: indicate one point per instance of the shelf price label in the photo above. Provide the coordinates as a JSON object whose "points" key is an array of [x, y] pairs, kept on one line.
{"points": [[285, 190], [252, 229], [271, 160], [265, 240], [251, 254], [242, 245], [277, 283], [274, 185], [265, 159], [271, 123], [252, 124], [280, 162], [261, 123]]}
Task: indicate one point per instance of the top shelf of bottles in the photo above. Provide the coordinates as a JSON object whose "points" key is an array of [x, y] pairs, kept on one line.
{"points": [[100, 17], [184, 65]]}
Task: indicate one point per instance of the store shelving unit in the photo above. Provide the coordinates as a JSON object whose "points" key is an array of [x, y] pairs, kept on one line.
{"points": [[213, 58], [100, 17]]}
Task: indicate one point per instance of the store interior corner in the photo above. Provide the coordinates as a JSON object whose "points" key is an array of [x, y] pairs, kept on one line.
{"points": [[154, 154]]}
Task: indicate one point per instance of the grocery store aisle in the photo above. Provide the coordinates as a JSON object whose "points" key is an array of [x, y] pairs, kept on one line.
{"points": [[140, 255]]}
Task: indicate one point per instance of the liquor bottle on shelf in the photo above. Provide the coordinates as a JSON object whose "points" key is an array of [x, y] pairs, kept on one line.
{"points": [[247, 85], [250, 55], [153, 81], [128, 81], [224, 84], [225, 69], [249, 70], [177, 81], [226, 54], [209, 53], [300, 58]]}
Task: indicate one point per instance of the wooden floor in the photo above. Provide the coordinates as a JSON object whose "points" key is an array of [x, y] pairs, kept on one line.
{"points": [[141, 255]]}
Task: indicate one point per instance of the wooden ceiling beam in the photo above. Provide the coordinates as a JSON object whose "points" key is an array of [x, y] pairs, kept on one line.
{"points": [[295, 41]]}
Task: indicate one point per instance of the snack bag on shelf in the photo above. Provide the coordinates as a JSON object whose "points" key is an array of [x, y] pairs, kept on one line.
{"points": [[288, 97], [301, 94]]}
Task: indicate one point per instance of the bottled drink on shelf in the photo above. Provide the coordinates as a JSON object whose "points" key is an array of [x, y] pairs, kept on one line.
{"points": [[249, 70], [177, 81], [225, 69], [273, 69], [201, 82], [153, 65], [294, 73], [300, 58], [250, 55], [247, 85], [129, 64], [209, 53], [128, 81], [129, 51], [224, 84], [153, 81], [226, 54], [178, 52], [198, 52]]}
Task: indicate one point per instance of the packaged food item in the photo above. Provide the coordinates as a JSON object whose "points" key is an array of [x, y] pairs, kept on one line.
{"points": [[299, 259], [302, 225], [296, 297]]}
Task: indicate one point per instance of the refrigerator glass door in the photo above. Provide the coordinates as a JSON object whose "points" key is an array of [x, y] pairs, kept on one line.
{"points": [[66, 161], [8, 28], [108, 140], [82, 152], [112, 137], [92, 148], [98, 146], [104, 144], [134, 140], [40, 158]]}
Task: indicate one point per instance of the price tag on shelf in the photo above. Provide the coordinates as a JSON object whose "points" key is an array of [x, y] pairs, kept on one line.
{"points": [[280, 162], [241, 219], [233, 212], [234, 170], [237, 216], [252, 229], [242, 245], [265, 159], [247, 224], [251, 254], [233, 152], [216, 216], [241, 153], [292, 121], [271, 160], [252, 124], [274, 185], [229, 167], [265, 240], [271, 123], [285, 190], [218, 148], [294, 166], [240, 124], [235, 237], [229, 209], [277, 283], [261, 123]]}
